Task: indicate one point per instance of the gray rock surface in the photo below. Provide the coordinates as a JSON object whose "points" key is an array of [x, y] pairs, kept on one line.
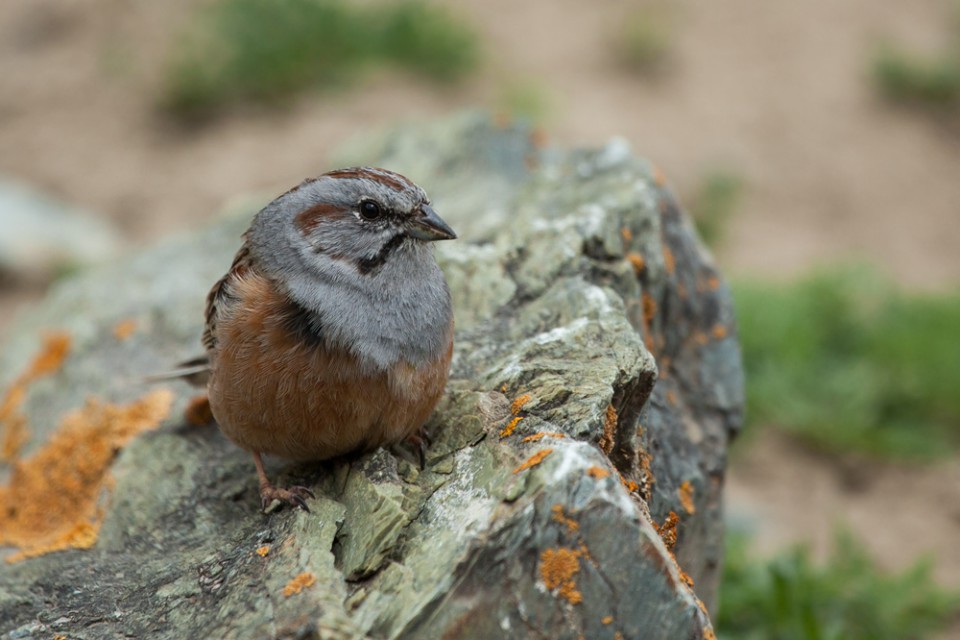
{"points": [[40, 237], [558, 323]]}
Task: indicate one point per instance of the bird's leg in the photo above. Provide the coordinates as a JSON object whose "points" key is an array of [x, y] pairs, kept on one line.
{"points": [[414, 448], [420, 440], [295, 495]]}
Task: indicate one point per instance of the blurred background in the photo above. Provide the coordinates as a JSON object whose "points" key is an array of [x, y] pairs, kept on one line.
{"points": [[816, 144]]}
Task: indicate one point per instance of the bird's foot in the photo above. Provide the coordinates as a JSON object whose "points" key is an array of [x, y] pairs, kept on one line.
{"points": [[295, 496], [413, 450]]}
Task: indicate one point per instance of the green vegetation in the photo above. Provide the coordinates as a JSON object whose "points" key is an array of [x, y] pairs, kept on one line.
{"points": [[932, 80], [847, 362], [527, 99], [265, 51], [714, 204], [789, 597], [906, 77], [643, 42]]}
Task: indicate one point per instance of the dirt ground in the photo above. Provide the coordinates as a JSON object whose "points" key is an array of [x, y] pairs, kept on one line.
{"points": [[777, 93]]}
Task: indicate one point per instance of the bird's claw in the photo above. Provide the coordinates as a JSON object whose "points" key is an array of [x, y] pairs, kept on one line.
{"points": [[294, 496]]}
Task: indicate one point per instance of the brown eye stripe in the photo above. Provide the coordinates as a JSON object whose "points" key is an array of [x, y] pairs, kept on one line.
{"points": [[308, 219]]}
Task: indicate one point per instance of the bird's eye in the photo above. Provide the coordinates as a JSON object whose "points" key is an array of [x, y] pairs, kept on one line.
{"points": [[370, 210]]}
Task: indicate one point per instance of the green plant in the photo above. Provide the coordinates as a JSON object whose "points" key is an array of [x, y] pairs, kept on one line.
{"points": [[932, 80], [715, 203], [643, 40], [790, 597], [526, 99], [421, 37], [906, 77], [847, 362], [265, 51]]}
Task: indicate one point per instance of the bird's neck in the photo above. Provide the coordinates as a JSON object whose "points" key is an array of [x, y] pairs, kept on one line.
{"points": [[399, 312]]}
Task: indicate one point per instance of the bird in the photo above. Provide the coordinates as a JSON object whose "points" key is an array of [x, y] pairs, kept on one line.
{"points": [[332, 332]]}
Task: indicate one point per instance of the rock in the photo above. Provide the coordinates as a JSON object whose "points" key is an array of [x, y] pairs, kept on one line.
{"points": [[562, 467], [40, 237]]}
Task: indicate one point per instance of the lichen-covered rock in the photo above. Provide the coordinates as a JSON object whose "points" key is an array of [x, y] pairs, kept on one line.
{"points": [[595, 385]]}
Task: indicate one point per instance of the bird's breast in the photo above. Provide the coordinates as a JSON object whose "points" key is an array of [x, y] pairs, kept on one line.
{"points": [[273, 390]]}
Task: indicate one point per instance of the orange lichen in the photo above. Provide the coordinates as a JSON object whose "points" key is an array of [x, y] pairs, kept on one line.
{"points": [[618, 636], [719, 332], [672, 397], [263, 551], [503, 388], [609, 430], [606, 620], [708, 633], [559, 516], [533, 460], [299, 583], [558, 568], [13, 423], [702, 607], [598, 472], [649, 309], [518, 404], [626, 234], [669, 262], [663, 367], [54, 351], [585, 553], [685, 494], [659, 177], [631, 486], [645, 458], [636, 260], [198, 411], [543, 434], [51, 502], [713, 282], [649, 343], [684, 577], [124, 329], [511, 426], [668, 530], [539, 138], [701, 338]]}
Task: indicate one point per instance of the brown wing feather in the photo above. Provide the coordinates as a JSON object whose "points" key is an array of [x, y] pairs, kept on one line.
{"points": [[221, 295]]}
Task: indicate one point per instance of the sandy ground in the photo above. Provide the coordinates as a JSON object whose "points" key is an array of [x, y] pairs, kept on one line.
{"points": [[777, 93], [781, 490]]}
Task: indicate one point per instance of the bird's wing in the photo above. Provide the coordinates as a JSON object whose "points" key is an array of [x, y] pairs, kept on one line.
{"points": [[221, 296], [196, 371]]}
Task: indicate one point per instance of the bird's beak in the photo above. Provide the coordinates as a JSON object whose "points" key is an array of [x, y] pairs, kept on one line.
{"points": [[429, 226]]}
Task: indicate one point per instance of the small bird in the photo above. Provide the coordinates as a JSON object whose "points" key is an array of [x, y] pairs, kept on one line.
{"points": [[332, 332]]}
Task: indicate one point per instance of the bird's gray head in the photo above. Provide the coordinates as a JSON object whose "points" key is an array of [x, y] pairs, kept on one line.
{"points": [[353, 249], [349, 220]]}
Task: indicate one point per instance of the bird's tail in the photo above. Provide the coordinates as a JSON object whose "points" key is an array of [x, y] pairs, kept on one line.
{"points": [[195, 371]]}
